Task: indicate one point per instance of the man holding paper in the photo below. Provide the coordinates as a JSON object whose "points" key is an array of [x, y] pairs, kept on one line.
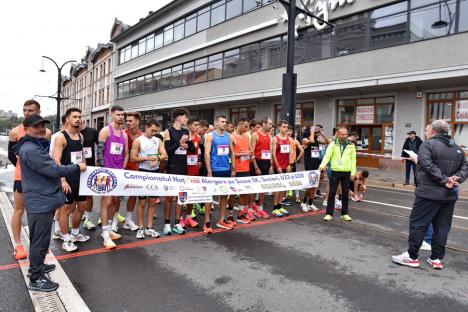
{"points": [[410, 148]]}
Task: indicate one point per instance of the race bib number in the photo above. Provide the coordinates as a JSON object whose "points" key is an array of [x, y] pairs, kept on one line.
{"points": [[245, 158], [181, 151], [223, 150], [76, 157], [284, 149], [266, 155], [116, 148], [315, 154], [88, 152], [192, 160]]}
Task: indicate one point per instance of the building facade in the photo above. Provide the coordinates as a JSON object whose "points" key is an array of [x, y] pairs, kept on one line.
{"points": [[387, 68]]}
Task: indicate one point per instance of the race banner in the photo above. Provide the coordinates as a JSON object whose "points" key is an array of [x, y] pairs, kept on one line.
{"points": [[116, 182]]}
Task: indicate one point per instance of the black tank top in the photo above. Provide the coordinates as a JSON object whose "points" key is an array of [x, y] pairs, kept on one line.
{"points": [[177, 160], [72, 153]]}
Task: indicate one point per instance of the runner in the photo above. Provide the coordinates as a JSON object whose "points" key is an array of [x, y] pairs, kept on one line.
{"points": [[194, 163], [202, 132], [282, 147], [177, 143], [90, 141], [147, 151], [112, 153], [68, 149], [30, 107], [260, 145], [217, 165], [298, 153], [133, 132]]}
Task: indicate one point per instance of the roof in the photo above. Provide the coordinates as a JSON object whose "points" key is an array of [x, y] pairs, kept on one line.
{"points": [[100, 48]]}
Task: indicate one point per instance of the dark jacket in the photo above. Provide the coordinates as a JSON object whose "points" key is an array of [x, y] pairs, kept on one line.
{"points": [[439, 158], [40, 176], [406, 146]]}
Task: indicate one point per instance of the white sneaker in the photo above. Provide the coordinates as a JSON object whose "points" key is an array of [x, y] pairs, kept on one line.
{"points": [[325, 203], [167, 229], [151, 232], [69, 246], [404, 259], [115, 227], [89, 225], [140, 234], [108, 242], [130, 225], [338, 203], [425, 246], [313, 207], [57, 235], [305, 207], [79, 238], [436, 264]]}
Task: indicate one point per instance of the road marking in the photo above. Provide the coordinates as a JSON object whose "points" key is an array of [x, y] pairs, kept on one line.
{"points": [[404, 207]]}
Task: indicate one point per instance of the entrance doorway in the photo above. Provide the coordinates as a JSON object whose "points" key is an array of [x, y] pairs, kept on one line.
{"points": [[368, 140]]}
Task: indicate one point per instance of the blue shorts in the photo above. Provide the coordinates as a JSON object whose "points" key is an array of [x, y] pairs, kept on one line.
{"points": [[222, 174]]}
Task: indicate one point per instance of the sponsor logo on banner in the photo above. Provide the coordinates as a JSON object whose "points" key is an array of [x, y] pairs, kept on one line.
{"points": [[102, 181], [182, 197], [152, 187], [313, 177], [132, 186], [223, 189]]}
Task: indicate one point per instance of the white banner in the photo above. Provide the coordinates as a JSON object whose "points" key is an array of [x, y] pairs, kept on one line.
{"points": [[115, 182]]}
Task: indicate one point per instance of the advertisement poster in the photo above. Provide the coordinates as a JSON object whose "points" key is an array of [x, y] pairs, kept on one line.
{"points": [[365, 114]]}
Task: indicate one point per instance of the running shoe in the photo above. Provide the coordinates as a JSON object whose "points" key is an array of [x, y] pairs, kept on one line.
{"points": [[46, 268], [277, 213], [181, 222], [224, 225], [19, 253], [88, 224], [305, 207], [425, 246], [178, 229], [325, 203], [286, 202], [230, 220], [43, 284], [57, 235], [114, 227], [313, 207], [120, 218], [436, 264], [338, 203], [328, 218], [404, 259], [251, 216], [283, 211], [243, 219], [189, 220], [193, 214], [201, 211], [167, 229], [79, 238], [114, 235], [207, 229], [69, 246], [254, 206], [99, 221], [262, 214], [151, 232], [108, 243], [346, 217], [140, 234], [130, 225]]}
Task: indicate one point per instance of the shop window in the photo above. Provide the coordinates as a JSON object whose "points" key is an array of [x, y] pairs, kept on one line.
{"points": [[440, 110], [215, 66], [218, 12], [201, 70], [233, 8], [384, 113], [190, 25], [346, 114]]}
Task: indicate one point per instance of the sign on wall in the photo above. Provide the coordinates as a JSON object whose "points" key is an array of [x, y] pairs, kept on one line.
{"points": [[365, 114], [462, 111]]}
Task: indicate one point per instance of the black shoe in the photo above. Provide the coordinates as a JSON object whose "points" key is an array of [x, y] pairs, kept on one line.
{"points": [[406, 183], [47, 268], [286, 202], [43, 284]]}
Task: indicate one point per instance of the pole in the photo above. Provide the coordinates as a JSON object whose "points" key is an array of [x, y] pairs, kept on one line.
{"points": [[59, 99]]}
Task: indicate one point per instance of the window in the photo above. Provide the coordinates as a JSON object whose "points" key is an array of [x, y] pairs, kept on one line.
{"points": [[134, 51], [233, 8], [126, 89], [463, 19], [158, 40], [270, 53], [251, 4], [215, 66], [122, 56], [120, 90], [440, 110], [157, 81], [148, 83], [107, 94], [168, 34], [432, 21], [218, 11], [128, 55], [201, 70], [176, 80], [248, 60], [165, 82], [150, 43], [187, 74], [351, 34], [132, 87], [388, 25], [236, 113], [142, 46], [179, 30], [140, 85], [203, 19], [384, 113], [231, 63], [190, 25], [346, 115]]}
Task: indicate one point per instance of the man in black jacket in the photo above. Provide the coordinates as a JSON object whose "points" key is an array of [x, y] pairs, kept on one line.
{"points": [[441, 168], [412, 143], [43, 193]]}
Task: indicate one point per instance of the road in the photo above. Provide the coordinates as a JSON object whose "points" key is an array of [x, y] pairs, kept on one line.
{"points": [[299, 264]]}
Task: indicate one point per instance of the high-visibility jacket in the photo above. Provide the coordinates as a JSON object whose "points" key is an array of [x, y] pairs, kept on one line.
{"points": [[342, 160]]}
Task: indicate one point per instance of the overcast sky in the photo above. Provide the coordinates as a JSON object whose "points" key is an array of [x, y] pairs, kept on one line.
{"points": [[60, 30]]}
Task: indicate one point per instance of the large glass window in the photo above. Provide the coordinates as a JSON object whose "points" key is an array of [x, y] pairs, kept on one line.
{"points": [[388, 25], [346, 114], [270, 53], [179, 30], [126, 89], [432, 21], [218, 12], [133, 87], [231, 63], [236, 113], [140, 85], [201, 70], [176, 80], [234, 8], [215, 66], [148, 83], [168, 34], [120, 90], [351, 34], [158, 40], [191, 25], [165, 82], [384, 113], [250, 5], [187, 74], [150, 43], [248, 60], [156, 79], [440, 110], [128, 54], [134, 50], [463, 20], [203, 19]]}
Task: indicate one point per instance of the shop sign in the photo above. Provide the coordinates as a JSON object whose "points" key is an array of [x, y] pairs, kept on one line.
{"points": [[462, 111], [365, 114], [298, 116]]}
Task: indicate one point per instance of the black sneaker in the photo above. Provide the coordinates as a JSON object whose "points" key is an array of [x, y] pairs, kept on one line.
{"points": [[43, 284], [47, 268], [286, 202]]}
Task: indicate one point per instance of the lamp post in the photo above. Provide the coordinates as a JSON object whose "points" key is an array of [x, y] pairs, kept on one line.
{"points": [[288, 107], [59, 87]]}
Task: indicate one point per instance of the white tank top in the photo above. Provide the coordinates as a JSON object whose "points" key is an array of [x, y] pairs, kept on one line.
{"points": [[148, 147]]}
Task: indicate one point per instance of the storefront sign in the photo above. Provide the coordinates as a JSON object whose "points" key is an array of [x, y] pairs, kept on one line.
{"points": [[462, 111], [364, 114], [298, 116]]}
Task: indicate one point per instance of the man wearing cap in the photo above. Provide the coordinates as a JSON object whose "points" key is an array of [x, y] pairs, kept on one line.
{"points": [[42, 189], [412, 143]]}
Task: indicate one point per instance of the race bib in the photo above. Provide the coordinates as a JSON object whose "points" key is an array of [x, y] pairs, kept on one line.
{"points": [[266, 155], [315, 154], [76, 157], [284, 148], [192, 160], [245, 157], [88, 152], [116, 148], [223, 150], [181, 151]]}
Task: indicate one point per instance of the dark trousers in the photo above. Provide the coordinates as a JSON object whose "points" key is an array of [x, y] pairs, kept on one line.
{"points": [[335, 179], [424, 213], [40, 227], [409, 165]]}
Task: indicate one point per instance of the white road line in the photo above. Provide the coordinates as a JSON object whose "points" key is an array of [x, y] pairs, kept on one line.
{"points": [[68, 298], [403, 207]]}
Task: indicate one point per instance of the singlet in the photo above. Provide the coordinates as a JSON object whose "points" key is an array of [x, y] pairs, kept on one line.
{"points": [[219, 155], [114, 150], [131, 138], [21, 133], [52, 143], [90, 139], [192, 158], [177, 160], [72, 153], [241, 144], [148, 147], [262, 148], [283, 149]]}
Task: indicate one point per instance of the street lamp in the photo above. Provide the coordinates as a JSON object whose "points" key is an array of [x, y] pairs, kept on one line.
{"points": [[59, 86], [288, 107]]}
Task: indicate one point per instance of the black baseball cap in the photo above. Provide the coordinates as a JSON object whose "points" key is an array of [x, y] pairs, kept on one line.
{"points": [[411, 132], [34, 120]]}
